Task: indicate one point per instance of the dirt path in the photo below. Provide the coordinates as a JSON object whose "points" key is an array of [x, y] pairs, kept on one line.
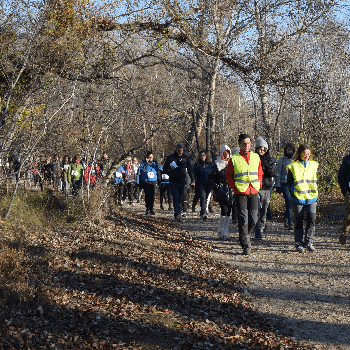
{"points": [[306, 295]]}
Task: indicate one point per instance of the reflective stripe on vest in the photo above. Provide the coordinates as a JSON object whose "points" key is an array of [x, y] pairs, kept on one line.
{"points": [[244, 173], [305, 179]]}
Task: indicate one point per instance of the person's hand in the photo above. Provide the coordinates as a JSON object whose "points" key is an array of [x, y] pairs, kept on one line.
{"points": [[279, 190]]}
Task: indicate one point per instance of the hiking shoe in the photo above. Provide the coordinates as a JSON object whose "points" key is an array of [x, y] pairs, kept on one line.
{"points": [[161, 207], [204, 217], [310, 247], [152, 212], [246, 251], [178, 218], [299, 248], [342, 238], [170, 209]]}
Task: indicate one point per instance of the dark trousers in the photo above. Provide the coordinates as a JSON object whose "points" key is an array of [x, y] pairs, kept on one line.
{"points": [[225, 209], [286, 195], [165, 194], [76, 187], [197, 197], [129, 191], [300, 211], [203, 197], [149, 188], [177, 190], [186, 199], [119, 190], [247, 212]]}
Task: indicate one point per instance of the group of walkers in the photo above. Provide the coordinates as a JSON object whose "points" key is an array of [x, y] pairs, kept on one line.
{"points": [[241, 181]]}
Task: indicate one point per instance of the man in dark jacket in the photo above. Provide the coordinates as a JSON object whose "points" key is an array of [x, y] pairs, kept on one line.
{"points": [[176, 166], [344, 183]]}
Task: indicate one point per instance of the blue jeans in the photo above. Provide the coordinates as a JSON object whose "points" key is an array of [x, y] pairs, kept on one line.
{"points": [[177, 191], [288, 216]]}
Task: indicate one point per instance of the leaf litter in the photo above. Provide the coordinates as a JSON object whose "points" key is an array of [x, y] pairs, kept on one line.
{"points": [[134, 282]]}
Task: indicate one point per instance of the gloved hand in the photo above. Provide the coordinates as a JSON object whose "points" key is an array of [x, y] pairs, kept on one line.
{"points": [[279, 190]]}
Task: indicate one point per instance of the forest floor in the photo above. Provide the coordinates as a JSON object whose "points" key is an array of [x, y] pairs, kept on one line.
{"points": [[132, 281]]}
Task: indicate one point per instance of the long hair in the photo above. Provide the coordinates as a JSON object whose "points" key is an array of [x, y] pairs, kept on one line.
{"points": [[302, 147]]}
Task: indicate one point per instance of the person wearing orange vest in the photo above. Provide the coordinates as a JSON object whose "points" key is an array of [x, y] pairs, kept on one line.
{"points": [[302, 181], [244, 175]]}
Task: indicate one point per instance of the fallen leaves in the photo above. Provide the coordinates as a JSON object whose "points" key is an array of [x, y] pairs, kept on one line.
{"points": [[136, 282]]}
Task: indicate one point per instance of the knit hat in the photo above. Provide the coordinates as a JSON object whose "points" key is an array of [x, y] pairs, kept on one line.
{"points": [[236, 150], [260, 142], [179, 146]]}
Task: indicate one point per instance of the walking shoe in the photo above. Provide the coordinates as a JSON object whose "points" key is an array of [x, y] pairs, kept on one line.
{"points": [[161, 207], [204, 217], [152, 212], [147, 212], [184, 214], [310, 247], [342, 238], [178, 218], [246, 251], [259, 236], [170, 208], [299, 248]]}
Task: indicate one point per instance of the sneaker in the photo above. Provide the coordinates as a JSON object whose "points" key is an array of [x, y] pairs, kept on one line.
{"points": [[310, 247], [299, 248], [246, 251], [147, 212], [161, 207], [204, 217], [152, 212], [342, 238], [178, 218], [260, 237], [184, 214]]}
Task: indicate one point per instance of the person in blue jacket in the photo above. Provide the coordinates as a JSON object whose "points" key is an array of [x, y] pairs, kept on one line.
{"points": [[147, 179], [119, 184]]}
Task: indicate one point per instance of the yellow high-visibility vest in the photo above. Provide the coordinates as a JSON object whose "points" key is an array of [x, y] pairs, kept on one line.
{"points": [[305, 179], [245, 173]]}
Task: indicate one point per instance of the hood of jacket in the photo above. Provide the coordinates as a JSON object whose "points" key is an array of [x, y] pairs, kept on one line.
{"points": [[222, 164]]}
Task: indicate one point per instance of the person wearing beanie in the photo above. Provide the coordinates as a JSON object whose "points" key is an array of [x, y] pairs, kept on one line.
{"points": [[281, 183], [222, 191], [269, 168], [244, 175]]}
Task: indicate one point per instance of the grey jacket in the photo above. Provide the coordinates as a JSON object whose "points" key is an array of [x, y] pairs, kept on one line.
{"points": [[282, 171]]}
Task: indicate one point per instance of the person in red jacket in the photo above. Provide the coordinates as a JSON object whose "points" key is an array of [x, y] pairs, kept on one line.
{"points": [[91, 174], [244, 175]]}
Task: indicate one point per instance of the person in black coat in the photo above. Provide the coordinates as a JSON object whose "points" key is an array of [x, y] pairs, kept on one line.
{"points": [[344, 183], [268, 165], [177, 165], [222, 191], [201, 170]]}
